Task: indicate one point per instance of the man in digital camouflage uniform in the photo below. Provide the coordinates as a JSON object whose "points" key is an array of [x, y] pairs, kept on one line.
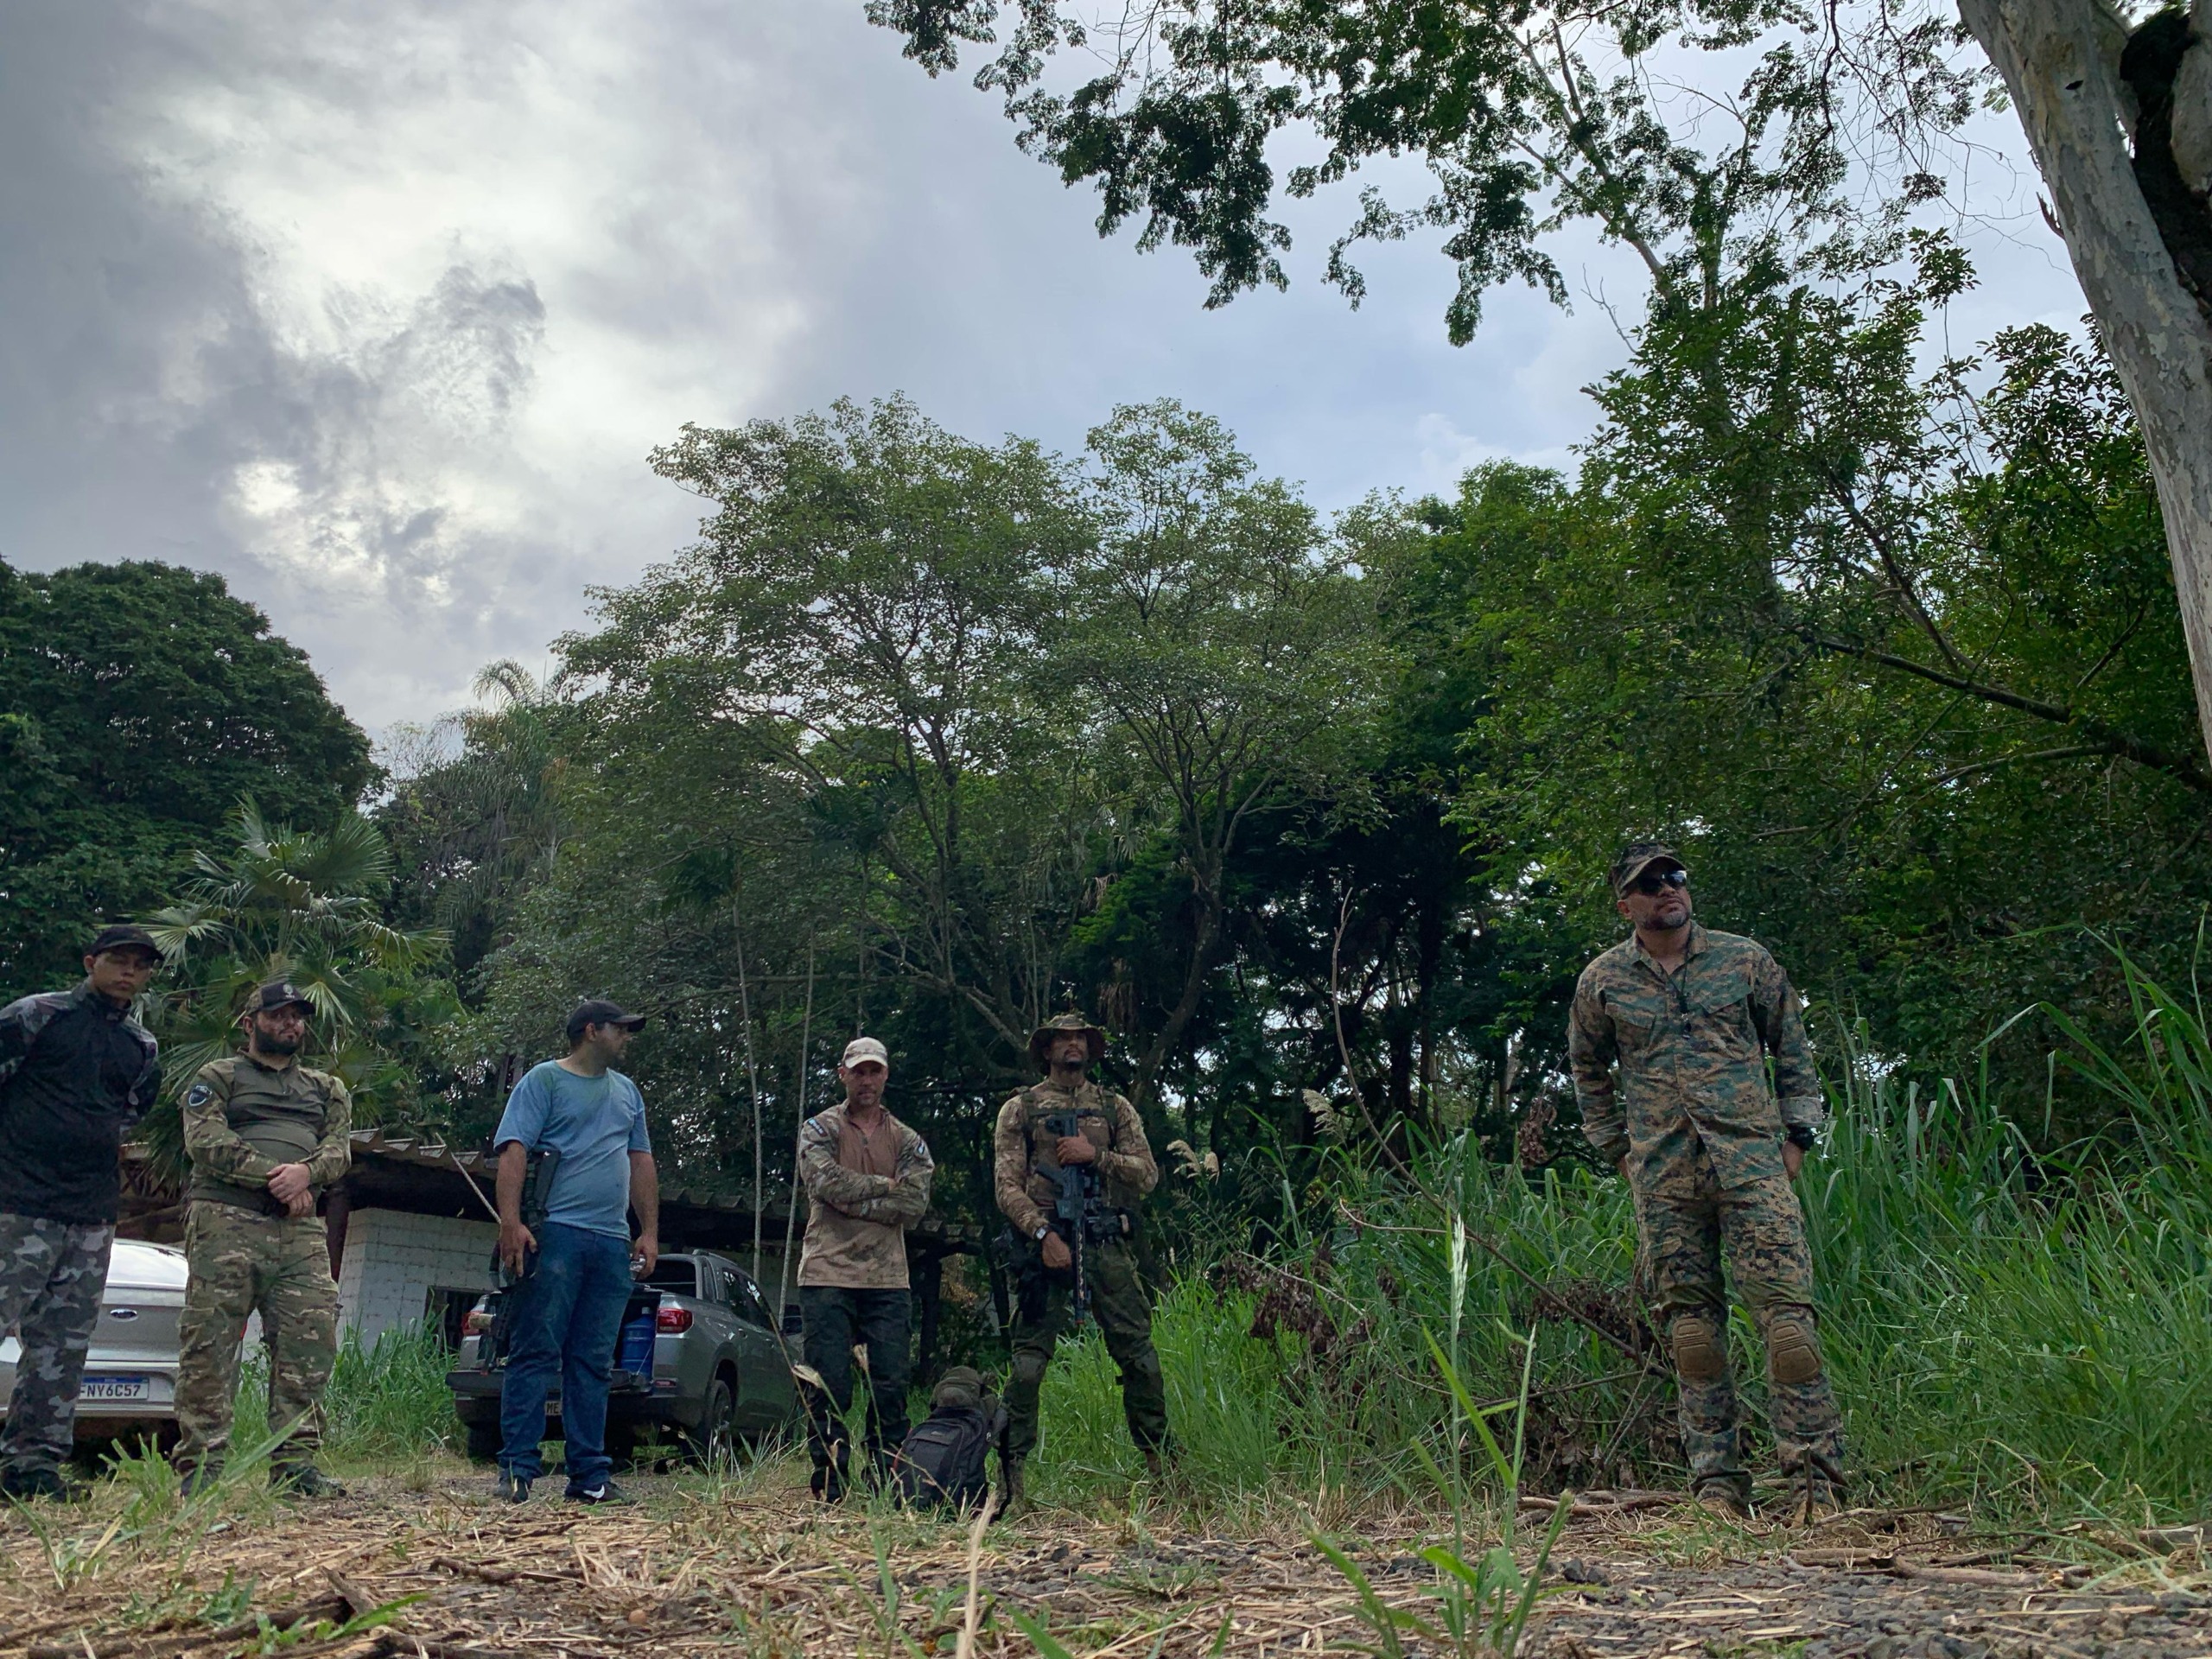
{"points": [[76, 1072], [1690, 1018], [264, 1135], [1028, 1154]]}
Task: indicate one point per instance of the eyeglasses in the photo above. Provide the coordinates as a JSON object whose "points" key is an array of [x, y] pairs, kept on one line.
{"points": [[1651, 883]]}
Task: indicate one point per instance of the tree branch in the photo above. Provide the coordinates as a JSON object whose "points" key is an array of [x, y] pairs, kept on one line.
{"points": [[2184, 768]]}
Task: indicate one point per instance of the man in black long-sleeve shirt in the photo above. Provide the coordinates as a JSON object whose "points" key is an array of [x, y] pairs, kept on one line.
{"points": [[76, 1072]]}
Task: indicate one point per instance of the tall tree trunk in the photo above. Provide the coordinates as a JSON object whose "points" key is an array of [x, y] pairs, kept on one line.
{"points": [[752, 1077], [799, 1094], [2141, 257]]}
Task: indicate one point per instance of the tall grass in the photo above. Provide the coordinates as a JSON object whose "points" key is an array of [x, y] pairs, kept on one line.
{"points": [[387, 1403], [2020, 1327]]}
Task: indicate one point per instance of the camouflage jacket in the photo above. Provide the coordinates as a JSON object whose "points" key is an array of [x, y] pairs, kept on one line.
{"points": [[1025, 1150], [1691, 1050], [862, 1192]]}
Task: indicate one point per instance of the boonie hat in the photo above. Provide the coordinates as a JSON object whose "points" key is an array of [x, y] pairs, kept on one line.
{"points": [[863, 1049], [121, 936], [1061, 1024], [277, 994], [1640, 857], [597, 1011]]}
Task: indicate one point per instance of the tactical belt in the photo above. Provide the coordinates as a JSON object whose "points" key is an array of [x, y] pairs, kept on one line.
{"points": [[259, 1199]]}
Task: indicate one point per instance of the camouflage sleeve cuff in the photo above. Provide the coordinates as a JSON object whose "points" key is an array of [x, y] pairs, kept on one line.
{"points": [[1804, 1111], [1611, 1148]]}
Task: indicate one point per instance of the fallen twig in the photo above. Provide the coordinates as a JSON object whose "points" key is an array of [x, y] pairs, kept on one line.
{"points": [[283, 1619]]}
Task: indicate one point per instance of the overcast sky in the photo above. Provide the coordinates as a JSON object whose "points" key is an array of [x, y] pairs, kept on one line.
{"points": [[377, 307]]}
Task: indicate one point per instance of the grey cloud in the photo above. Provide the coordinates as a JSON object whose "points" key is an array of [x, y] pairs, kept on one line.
{"points": [[377, 307]]}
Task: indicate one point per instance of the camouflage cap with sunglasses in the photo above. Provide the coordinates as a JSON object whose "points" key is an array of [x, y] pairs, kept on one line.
{"points": [[1639, 857]]}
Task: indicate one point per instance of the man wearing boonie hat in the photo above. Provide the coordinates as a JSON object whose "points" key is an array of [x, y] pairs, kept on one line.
{"points": [[868, 1179], [76, 1072], [264, 1135], [1029, 1151], [1668, 1041]]}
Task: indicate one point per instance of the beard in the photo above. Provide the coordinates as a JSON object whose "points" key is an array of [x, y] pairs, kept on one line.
{"points": [[269, 1042]]}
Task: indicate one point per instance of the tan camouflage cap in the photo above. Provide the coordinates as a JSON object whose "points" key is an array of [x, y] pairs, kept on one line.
{"points": [[1639, 857], [1061, 1024]]}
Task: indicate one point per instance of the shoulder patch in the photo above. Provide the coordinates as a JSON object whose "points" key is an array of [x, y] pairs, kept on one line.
{"points": [[200, 1094]]}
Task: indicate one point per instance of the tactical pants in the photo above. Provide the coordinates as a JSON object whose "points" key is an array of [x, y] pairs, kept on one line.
{"points": [[834, 1319], [1117, 1302], [51, 1276], [1759, 1232], [239, 1262]]}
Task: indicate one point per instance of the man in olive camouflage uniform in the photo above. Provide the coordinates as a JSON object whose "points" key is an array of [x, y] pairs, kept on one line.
{"points": [[1690, 1018], [265, 1134], [1029, 1153]]}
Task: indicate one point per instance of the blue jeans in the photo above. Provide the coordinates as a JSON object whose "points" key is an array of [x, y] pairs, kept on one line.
{"points": [[567, 1322]]}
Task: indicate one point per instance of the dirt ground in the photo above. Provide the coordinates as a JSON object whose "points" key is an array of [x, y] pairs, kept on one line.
{"points": [[427, 1565]]}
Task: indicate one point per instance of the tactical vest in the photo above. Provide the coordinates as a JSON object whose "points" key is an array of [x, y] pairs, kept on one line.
{"points": [[1095, 1122], [282, 1123]]}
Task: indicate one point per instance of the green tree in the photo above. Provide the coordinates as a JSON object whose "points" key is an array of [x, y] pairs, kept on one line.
{"points": [[1215, 639], [139, 703], [1898, 668], [306, 906], [1533, 117]]}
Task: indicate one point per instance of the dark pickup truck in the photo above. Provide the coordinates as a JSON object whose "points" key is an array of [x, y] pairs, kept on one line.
{"points": [[698, 1359]]}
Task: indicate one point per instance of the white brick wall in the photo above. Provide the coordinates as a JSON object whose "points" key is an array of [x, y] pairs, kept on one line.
{"points": [[394, 1260]]}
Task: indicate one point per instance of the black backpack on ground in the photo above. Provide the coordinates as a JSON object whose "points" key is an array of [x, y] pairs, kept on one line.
{"points": [[941, 1465]]}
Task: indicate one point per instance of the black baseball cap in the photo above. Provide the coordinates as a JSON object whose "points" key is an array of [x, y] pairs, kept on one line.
{"points": [[277, 994], [599, 1012], [122, 935]]}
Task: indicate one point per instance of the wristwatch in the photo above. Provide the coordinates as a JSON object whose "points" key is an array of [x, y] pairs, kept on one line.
{"points": [[1043, 1228], [1800, 1137]]}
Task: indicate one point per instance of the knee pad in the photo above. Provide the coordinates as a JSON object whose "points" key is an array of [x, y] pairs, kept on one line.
{"points": [[1701, 1348], [1793, 1349], [1028, 1367]]}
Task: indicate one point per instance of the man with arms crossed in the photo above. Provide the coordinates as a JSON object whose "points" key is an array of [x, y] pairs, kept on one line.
{"points": [[264, 1135], [868, 1179], [569, 1310], [76, 1070], [1690, 1018]]}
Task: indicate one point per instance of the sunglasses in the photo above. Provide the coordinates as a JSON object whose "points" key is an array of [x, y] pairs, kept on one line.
{"points": [[1653, 882]]}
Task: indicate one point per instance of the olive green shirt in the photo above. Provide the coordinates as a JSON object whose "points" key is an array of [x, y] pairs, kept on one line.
{"points": [[242, 1118]]}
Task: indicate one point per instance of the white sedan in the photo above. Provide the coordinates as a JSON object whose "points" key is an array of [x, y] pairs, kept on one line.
{"points": [[130, 1386]]}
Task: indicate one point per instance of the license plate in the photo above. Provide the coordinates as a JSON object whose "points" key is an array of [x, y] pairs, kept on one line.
{"points": [[106, 1389]]}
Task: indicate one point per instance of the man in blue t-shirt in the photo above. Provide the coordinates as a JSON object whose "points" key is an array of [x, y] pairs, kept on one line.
{"points": [[568, 1314]]}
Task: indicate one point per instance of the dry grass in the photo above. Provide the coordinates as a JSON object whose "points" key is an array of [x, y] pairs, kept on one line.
{"points": [[428, 1566]]}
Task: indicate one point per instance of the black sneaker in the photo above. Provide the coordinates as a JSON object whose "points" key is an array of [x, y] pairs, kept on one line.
{"points": [[603, 1492], [303, 1480], [25, 1484], [511, 1488]]}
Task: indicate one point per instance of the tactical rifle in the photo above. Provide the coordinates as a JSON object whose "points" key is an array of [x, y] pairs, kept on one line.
{"points": [[1077, 1206], [539, 1168]]}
